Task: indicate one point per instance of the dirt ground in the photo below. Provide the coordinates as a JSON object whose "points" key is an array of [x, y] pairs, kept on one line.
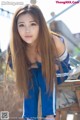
{"points": [[9, 98]]}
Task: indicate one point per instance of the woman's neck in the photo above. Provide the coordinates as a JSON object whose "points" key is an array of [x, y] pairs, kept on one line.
{"points": [[33, 54], [32, 45]]}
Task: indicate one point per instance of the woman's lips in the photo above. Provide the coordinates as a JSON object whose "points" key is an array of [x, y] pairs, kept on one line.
{"points": [[28, 36]]}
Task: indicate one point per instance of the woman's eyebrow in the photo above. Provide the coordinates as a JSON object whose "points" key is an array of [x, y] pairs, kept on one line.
{"points": [[20, 22], [32, 21], [24, 22]]}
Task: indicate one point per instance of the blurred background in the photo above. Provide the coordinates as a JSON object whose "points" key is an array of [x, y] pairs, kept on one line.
{"points": [[64, 17]]}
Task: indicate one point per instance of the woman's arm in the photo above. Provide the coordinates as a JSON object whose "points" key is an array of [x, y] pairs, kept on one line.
{"points": [[63, 59], [59, 45]]}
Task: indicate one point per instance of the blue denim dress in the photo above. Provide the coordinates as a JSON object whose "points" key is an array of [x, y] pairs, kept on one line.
{"points": [[30, 105]]}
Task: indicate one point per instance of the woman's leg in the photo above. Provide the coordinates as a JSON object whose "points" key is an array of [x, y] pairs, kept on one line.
{"points": [[50, 117], [30, 104], [48, 100]]}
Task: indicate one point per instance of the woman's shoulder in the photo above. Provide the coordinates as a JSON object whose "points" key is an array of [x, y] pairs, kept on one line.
{"points": [[57, 37], [59, 43]]}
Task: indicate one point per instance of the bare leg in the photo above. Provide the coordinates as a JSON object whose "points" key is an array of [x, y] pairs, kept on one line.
{"points": [[50, 117]]}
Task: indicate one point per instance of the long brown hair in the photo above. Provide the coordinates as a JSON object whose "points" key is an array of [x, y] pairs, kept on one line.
{"points": [[47, 49]]}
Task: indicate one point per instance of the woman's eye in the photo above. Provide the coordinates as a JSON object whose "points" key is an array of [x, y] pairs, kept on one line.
{"points": [[21, 25], [33, 24]]}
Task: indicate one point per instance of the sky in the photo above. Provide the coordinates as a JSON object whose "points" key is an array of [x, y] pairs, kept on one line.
{"points": [[71, 17]]}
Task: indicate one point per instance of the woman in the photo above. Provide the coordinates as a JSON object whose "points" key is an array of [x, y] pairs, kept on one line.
{"points": [[37, 56]]}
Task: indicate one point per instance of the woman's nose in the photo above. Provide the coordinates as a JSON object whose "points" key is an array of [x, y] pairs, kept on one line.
{"points": [[27, 29]]}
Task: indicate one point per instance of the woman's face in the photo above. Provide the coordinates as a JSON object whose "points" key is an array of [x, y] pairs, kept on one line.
{"points": [[28, 28]]}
